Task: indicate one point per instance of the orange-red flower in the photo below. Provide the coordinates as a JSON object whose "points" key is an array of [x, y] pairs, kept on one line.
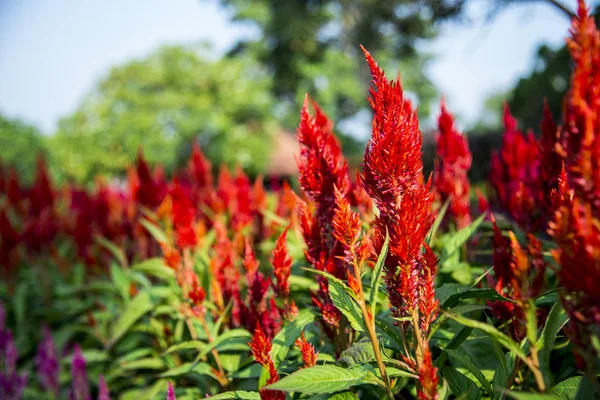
{"points": [[282, 264], [309, 356]]}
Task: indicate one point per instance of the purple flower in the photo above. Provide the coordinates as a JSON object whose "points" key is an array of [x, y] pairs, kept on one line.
{"points": [[47, 363], [103, 392], [80, 389], [171, 392], [12, 384]]}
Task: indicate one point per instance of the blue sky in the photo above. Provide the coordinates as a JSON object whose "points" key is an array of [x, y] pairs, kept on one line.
{"points": [[52, 52]]}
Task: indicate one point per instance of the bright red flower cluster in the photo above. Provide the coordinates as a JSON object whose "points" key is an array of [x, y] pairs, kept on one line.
{"points": [[261, 347], [309, 355], [392, 176], [515, 175], [452, 164]]}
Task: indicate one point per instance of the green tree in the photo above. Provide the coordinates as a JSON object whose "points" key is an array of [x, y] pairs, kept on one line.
{"points": [[20, 144], [162, 103], [313, 46]]}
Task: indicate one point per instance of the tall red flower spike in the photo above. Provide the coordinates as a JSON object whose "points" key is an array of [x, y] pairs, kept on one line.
{"points": [[309, 356], [452, 164], [183, 216], [577, 233], [428, 379], [392, 176], [581, 127], [515, 175], [322, 168], [346, 227], [261, 347], [147, 190], [282, 264]]}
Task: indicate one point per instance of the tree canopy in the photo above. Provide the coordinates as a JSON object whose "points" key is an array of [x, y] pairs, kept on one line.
{"points": [[20, 144], [164, 102]]}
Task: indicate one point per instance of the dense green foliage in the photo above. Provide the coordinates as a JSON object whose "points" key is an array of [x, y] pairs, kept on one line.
{"points": [[164, 102], [20, 144]]}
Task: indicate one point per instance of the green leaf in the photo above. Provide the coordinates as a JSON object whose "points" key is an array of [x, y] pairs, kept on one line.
{"points": [[144, 363], [347, 306], [530, 396], [395, 372], [189, 368], [238, 394], [187, 345], [455, 343], [438, 221], [120, 280], [557, 318], [289, 334], [154, 230], [531, 322], [503, 370], [343, 396], [459, 238], [360, 352], [491, 331], [320, 379], [377, 272], [460, 385], [227, 337], [468, 364], [567, 389], [115, 250], [450, 294], [586, 387], [155, 267], [140, 305]]}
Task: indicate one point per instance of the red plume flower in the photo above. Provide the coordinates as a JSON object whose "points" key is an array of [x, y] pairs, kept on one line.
{"points": [[309, 356], [183, 216], [515, 175], [147, 190], [346, 227], [392, 176], [282, 264], [428, 379], [451, 166], [261, 347]]}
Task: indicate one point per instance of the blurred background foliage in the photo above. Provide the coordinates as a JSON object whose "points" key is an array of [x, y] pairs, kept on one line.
{"points": [[233, 106]]}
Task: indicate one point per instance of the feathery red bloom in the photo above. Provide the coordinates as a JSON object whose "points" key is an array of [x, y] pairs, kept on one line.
{"points": [[183, 216], [146, 189], [580, 138], [10, 241], [428, 379], [171, 392], [577, 233], [392, 176], [452, 163], [346, 227], [309, 356], [515, 175], [282, 264], [200, 168], [261, 347]]}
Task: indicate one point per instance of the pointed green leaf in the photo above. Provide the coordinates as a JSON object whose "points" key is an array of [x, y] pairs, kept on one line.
{"points": [[468, 364], [450, 294], [557, 318], [377, 273], [567, 389], [459, 238], [140, 305], [154, 267], [438, 221], [320, 379], [460, 385], [530, 396], [154, 231], [347, 306], [236, 395]]}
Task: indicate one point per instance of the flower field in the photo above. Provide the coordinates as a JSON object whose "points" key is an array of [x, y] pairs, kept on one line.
{"points": [[378, 283]]}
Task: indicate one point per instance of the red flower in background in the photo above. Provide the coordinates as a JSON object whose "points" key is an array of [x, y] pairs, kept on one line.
{"points": [[452, 164], [183, 216], [515, 175], [147, 189]]}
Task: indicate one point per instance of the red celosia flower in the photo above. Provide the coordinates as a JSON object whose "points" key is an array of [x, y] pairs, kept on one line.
{"points": [[10, 240], [41, 196], [261, 347], [451, 166], [309, 356], [322, 168], [577, 233], [428, 379], [580, 140], [392, 176], [183, 216], [346, 227], [282, 264], [515, 175], [146, 189], [200, 168]]}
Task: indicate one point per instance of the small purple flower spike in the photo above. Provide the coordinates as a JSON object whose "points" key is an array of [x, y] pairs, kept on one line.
{"points": [[171, 392], [47, 363], [103, 392], [11, 383], [80, 389]]}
